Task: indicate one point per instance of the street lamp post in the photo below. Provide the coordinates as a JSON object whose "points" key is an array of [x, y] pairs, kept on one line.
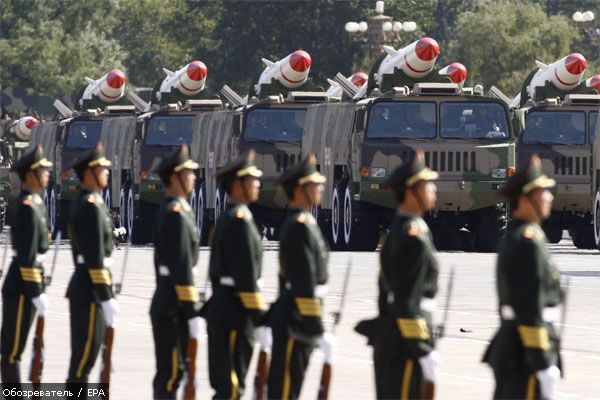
{"points": [[585, 20], [380, 30]]}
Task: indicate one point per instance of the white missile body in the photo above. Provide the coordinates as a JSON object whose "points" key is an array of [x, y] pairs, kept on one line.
{"points": [[358, 79], [22, 128], [189, 80], [594, 82], [109, 88], [457, 73], [565, 74], [291, 71], [415, 60]]}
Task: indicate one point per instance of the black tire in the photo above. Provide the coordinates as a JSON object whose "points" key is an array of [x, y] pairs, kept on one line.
{"points": [[596, 212], [583, 237], [360, 234], [219, 203], [489, 227], [553, 234], [141, 222], [336, 240], [202, 220], [124, 192], [447, 239]]}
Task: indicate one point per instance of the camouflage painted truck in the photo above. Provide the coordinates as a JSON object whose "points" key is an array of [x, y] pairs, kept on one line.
{"points": [[171, 120], [556, 114], [466, 137], [595, 82], [270, 119], [14, 140], [98, 117]]}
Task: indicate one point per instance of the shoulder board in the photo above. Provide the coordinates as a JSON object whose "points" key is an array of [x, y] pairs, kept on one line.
{"points": [[176, 208], [27, 201], [306, 218], [413, 229], [532, 233], [241, 213], [37, 199], [91, 198], [301, 219]]}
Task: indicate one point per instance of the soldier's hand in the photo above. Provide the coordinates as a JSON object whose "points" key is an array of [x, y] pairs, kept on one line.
{"points": [[328, 343], [41, 303], [194, 327], [264, 336], [430, 365], [111, 310], [548, 378]]}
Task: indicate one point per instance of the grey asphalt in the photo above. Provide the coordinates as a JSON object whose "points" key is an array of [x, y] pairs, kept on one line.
{"points": [[472, 322]]}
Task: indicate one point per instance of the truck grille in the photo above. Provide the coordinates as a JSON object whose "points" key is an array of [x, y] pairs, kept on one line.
{"points": [[283, 161], [578, 165], [451, 161]]}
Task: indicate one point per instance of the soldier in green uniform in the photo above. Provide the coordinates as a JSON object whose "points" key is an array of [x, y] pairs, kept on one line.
{"points": [[295, 318], [524, 354], [92, 304], [237, 305], [402, 336], [23, 287], [175, 305]]}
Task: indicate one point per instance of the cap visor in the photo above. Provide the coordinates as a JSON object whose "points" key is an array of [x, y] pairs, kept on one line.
{"points": [[43, 163], [102, 161], [315, 177], [424, 175], [189, 164], [541, 182]]}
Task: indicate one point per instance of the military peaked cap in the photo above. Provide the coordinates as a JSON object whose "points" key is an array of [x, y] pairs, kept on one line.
{"points": [[238, 168], [301, 174], [177, 160], [526, 180], [410, 172], [91, 158], [31, 160]]}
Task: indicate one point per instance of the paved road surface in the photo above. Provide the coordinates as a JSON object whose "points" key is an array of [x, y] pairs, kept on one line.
{"points": [[471, 324]]}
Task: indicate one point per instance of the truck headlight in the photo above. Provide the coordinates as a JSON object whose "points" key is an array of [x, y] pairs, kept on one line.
{"points": [[377, 172], [499, 173]]}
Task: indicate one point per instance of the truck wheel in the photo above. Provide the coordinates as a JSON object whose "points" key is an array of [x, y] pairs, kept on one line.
{"points": [[140, 220], [337, 217], [488, 229], [553, 234], [597, 219], [202, 216], [52, 211], [106, 196], [360, 234], [219, 203], [123, 206], [446, 239], [583, 237]]}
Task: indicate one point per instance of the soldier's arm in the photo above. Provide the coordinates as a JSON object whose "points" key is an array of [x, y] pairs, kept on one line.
{"points": [[26, 248], [408, 274], [242, 257], [525, 277], [91, 245], [300, 263], [177, 250], [381, 281]]}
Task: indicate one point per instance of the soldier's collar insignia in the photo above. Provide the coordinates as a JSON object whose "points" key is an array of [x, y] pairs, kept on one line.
{"points": [[306, 218], [531, 232]]}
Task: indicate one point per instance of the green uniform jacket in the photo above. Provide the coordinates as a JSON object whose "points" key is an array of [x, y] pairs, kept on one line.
{"points": [[527, 283], [91, 242], [303, 265], [407, 280], [175, 254], [29, 237], [235, 268]]}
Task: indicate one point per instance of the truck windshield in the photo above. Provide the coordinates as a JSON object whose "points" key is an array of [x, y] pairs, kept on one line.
{"points": [[84, 134], [275, 124], [399, 120], [554, 127], [473, 120], [593, 118], [170, 130]]}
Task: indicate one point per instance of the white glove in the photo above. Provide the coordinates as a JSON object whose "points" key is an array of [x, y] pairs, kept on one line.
{"points": [[328, 343], [430, 365], [548, 378], [194, 327], [119, 232], [264, 336], [41, 303], [111, 310]]}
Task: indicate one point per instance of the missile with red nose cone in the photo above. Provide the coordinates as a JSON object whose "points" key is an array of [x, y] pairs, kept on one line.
{"points": [[189, 80], [415, 60], [291, 71], [594, 82], [565, 74], [109, 88], [22, 128], [358, 79], [456, 72]]}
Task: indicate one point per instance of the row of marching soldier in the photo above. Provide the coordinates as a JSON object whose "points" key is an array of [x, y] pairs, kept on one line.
{"points": [[523, 354]]}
